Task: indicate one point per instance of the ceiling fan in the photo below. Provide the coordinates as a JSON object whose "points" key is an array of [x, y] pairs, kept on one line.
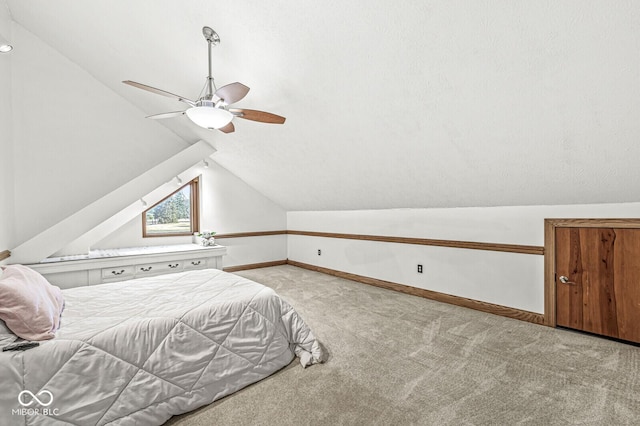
{"points": [[211, 110]]}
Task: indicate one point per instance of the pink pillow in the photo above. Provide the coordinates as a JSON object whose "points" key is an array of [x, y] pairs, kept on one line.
{"points": [[29, 304]]}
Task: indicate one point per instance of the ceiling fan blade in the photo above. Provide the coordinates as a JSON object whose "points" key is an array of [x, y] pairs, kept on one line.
{"points": [[232, 93], [165, 115], [229, 128], [255, 115], [159, 92]]}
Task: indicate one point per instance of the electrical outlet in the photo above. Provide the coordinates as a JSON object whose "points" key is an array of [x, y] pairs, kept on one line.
{"points": [[419, 269], [319, 252]]}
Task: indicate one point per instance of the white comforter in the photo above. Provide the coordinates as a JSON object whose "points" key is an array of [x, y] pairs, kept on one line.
{"points": [[140, 351]]}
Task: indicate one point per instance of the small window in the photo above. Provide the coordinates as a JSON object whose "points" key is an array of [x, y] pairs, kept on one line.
{"points": [[176, 215]]}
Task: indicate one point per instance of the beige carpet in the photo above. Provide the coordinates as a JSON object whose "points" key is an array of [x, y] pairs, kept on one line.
{"points": [[397, 359]]}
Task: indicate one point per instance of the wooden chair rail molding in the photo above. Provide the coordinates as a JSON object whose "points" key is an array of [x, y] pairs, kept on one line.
{"points": [[250, 234], [4, 254], [511, 248], [472, 245]]}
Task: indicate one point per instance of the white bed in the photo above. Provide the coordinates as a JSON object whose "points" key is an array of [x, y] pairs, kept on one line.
{"points": [[140, 351]]}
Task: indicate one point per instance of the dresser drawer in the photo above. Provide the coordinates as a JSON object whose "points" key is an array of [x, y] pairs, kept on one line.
{"points": [[195, 263], [117, 272], [145, 269]]}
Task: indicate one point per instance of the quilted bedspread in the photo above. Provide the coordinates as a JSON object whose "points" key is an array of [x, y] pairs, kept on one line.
{"points": [[140, 351]]}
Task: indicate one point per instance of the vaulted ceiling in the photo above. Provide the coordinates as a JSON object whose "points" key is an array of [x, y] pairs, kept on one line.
{"points": [[389, 103]]}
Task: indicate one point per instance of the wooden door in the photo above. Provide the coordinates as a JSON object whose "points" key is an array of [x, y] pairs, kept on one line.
{"points": [[598, 281]]}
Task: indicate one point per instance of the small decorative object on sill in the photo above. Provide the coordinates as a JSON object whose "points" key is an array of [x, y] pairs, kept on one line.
{"points": [[207, 238]]}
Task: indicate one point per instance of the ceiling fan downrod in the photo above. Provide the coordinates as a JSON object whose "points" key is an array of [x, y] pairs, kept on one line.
{"points": [[213, 39]]}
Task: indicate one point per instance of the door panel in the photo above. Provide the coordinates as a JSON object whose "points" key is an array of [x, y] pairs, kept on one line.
{"points": [[569, 263], [602, 294], [627, 284]]}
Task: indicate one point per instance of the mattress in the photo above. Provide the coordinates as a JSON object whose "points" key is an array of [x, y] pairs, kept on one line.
{"points": [[140, 351]]}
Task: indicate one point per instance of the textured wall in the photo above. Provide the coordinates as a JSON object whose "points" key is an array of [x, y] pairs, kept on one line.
{"points": [[228, 205], [74, 139], [509, 279], [435, 103], [7, 236]]}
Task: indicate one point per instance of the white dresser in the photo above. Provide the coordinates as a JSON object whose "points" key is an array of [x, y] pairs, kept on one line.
{"points": [[103, 266]]}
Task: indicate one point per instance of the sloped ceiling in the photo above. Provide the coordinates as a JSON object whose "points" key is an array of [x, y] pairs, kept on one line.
{"points": [[388, 103]]}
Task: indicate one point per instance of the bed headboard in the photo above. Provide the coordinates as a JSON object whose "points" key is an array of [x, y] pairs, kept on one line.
{"points": [[4, 254]]}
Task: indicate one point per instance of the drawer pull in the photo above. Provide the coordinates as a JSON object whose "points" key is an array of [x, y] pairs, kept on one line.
{"points": [[175, 265], [195, 263], [143, 269], [118, 273]]}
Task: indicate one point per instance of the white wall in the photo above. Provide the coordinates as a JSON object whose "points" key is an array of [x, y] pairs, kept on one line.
{"points": [[228, 205], [6, 136], [75, 140], [509, 279], [67, 140], [76, 233]]}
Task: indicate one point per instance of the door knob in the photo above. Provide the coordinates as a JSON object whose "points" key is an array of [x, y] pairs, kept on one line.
{"points": [[565, 280]]}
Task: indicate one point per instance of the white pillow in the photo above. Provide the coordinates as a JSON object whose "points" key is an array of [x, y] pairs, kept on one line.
{"points": [[29, 305], [5, 333]]}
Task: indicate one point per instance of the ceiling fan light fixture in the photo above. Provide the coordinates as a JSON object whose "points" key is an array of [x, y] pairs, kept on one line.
{"points": [[210, 110], [209, 117]]}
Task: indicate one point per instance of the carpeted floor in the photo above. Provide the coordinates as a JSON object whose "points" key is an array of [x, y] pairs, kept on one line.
{"points": [[397, 359]]}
